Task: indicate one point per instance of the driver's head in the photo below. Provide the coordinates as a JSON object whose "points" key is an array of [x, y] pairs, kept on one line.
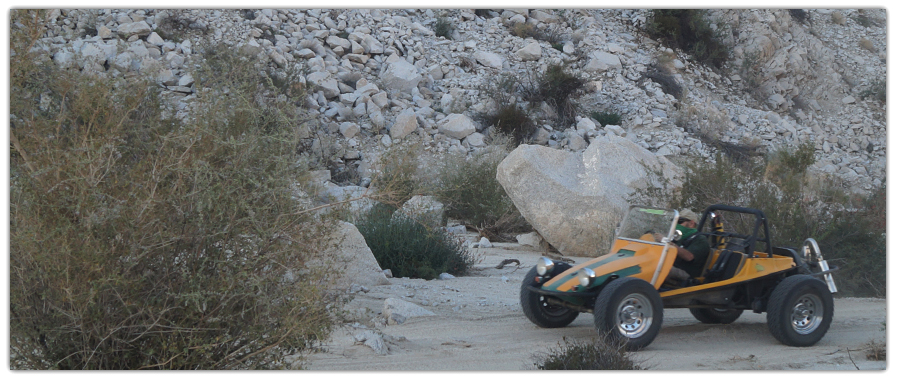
{"points": [[688, 218]]}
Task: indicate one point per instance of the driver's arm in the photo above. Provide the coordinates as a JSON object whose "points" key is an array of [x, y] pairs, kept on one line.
{"points": [[684, 253]]}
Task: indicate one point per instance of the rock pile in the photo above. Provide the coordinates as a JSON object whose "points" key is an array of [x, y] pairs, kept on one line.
{"points": [[382, 76]]}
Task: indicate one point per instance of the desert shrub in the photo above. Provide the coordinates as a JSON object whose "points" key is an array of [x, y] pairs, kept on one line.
{"points": [[512, 120], [666, 81], [877, 90], [799, 15], [398, 177], [863, 20], [484, 13], [444, 28], [876, 350], [556, 86], [470, 191], [506, 115], [586, 355], [607, 118], [138, 241], [552, 35], [867, 44], [411, 249], [690, 31], [838, 18], [850, 230]]}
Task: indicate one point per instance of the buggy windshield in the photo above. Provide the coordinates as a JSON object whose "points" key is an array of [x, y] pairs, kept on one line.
{"points": [[640, 221]]}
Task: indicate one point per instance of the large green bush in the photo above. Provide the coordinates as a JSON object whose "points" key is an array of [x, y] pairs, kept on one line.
{"points": [[139, 241], [850, 230], [409, 248]]}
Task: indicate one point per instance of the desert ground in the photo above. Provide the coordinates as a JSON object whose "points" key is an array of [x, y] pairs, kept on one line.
{"points": [[479, 326]]}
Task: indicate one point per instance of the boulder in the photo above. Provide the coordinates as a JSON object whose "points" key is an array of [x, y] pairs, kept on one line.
{"points": [[602, 61], [457, 126], [489, 59], [575, 200], [400, 75], [532, 239], [140, 28], [324, 82], [405, 124], [530, 52], [397, 311], [351, 256]]}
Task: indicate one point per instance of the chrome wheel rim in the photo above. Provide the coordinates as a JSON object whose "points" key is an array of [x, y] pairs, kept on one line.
{"points": [[807, 314], [634, 315]]}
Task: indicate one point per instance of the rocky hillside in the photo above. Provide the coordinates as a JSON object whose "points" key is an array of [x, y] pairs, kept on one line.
{"points": [[379, 77]]}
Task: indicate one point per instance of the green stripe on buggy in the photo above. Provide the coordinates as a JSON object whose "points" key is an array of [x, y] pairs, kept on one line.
{"points": [[621, 254]]}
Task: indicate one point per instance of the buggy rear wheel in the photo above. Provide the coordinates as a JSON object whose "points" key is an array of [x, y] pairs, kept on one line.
{"points": [[800, 310]]}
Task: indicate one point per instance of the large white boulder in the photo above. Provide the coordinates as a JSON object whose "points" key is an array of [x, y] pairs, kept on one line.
{"points": [[354, 261], [575, 200]]}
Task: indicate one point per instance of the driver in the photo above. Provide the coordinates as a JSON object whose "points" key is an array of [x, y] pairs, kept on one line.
{"points": [[692, 248]]}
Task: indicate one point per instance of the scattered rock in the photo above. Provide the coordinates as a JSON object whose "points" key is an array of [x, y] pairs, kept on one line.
{"points": [[397, 311]]}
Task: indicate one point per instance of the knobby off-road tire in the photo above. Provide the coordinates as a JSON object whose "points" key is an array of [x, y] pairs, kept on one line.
{"points": [[535, 305], [629, 311], [800, 310], [716, 316]]}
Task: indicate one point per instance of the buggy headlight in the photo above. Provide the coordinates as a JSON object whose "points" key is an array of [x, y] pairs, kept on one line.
{"points": [[586, 277], [544, 266]]}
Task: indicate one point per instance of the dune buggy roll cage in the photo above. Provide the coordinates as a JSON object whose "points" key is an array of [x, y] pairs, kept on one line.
{"points": [[748, 242]]}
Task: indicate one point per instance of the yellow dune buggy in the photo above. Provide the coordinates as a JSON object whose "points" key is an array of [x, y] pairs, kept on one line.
{"points": [[626, 293]]}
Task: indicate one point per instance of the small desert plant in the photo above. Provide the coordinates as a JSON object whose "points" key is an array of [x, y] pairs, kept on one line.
{"points": [[523, 30], [876, 350], [877, 90], [690, 31], [472, 194], [512, 120], [398, 177], [666, 81], [443, 27], [507, 116], [863, 20], [867, 44], [483, 13], [838, 18], [799, 15], [552, 35], [411, 249], [556, 86], [466, 63], [586, 355], [607, 118]]}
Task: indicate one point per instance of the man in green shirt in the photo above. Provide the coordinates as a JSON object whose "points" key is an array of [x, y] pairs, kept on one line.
{"points": [[692, 248]]}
